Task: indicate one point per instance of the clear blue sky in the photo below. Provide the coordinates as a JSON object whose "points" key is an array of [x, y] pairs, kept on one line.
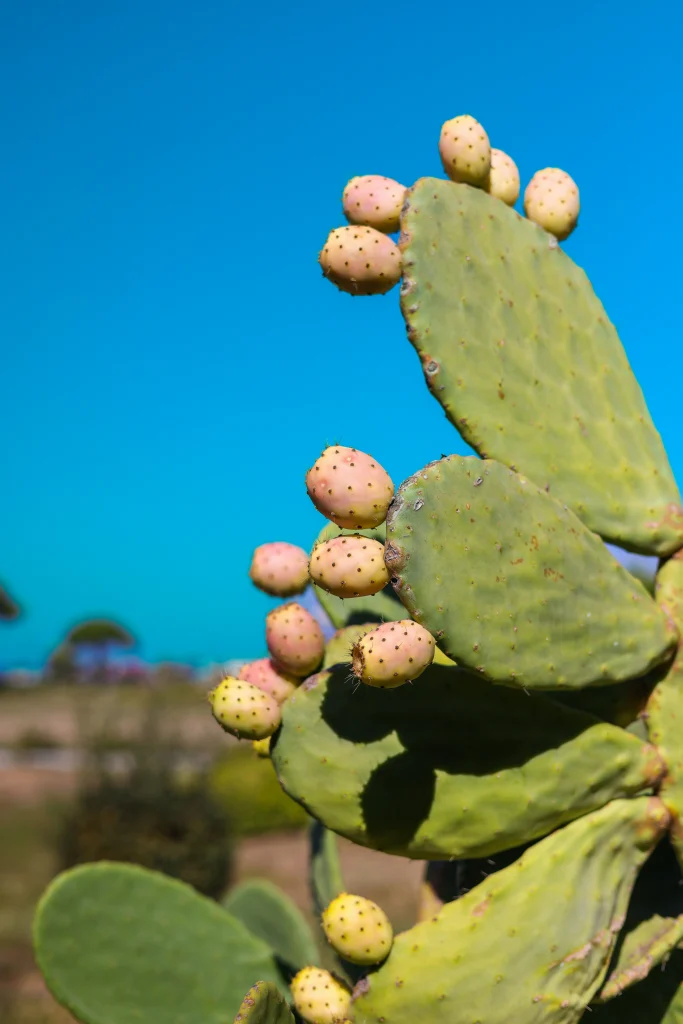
{"points": [[172, 360]]}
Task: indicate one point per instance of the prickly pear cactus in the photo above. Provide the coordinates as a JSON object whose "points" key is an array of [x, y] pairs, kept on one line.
{"points": [[510, 709]]}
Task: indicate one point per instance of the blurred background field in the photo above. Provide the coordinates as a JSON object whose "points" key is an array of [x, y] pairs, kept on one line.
{"points": [[139, 771]]}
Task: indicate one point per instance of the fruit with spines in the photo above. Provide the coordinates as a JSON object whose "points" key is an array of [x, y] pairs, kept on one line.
{"points": [[319, 997], [294, 639], [552, 201], [265, 674], [357, 929], [374, 201], [349, 566], [279, 569], [503, 178], [392, 654], [350, 488], [361, 260], [243, 710], [465, 151]]}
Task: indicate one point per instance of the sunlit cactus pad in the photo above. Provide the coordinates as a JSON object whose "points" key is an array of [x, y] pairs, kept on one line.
{"points": [[519, 351]]}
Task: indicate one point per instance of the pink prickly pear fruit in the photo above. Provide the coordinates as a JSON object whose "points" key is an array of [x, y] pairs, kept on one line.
{"points": [[374, 201], [357, 929], [269, 678], [294, 639], [243, 710], [503, 178], [361, 260], [319, 998], [280, 569], [465, 151], [552, 201], [349, 566], [350, 488], [392, 654]]}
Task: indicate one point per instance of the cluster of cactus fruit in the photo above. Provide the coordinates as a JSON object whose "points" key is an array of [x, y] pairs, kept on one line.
{"points": [[530, 747]]}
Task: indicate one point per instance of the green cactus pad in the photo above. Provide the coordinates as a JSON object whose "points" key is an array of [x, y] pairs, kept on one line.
{"points": [[664, 713], [325, 877], [513, 586], [263, 1004], [451, 766], [519, 351], [349, 611], [532, 942], [118, 945], [656, 1000], [338, 648], [272, 916]]}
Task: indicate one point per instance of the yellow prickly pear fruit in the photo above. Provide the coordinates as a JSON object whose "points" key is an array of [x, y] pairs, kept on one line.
{"points": [[552, 201], [503, 178], [357, 929], [465, 151], [319, 998], [243, 710]]}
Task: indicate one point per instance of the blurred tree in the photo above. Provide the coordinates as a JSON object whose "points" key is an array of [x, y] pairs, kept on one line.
{"points": [[9, 609], [62, 665], [95, 639]]}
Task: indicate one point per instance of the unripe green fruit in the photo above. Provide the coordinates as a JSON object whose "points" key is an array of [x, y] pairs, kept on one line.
{"points": [[357, 929], [243, 710], [319, 998]]}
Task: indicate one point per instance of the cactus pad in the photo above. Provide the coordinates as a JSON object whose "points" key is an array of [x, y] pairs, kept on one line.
{"points": [[519, 351], [451, 766], [531, 943], [118, 944], [272, 916], [263, 1004], [513, 586]]}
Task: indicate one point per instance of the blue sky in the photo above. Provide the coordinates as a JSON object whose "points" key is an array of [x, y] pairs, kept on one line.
{"points": [[172, 360]]}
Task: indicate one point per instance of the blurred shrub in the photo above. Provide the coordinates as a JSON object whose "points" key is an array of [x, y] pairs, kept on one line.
{"points": [[248, 788], [34, 738], [146, 812]]}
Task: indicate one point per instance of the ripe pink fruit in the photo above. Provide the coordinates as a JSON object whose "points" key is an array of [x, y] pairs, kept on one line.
{"points": [[294, 639], [374, 201], [280, 569], [361, 260], [350, 488], [393, 654], [243, 710], [269, 678], [503, 178], [349, 566], [552, 201], [465, 151]]}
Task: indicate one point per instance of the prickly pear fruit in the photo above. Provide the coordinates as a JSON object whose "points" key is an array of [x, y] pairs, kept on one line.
{"points": [[361, 260], [244, 710], [503, 177], [262, 747], [552, 200], [357, 929], [350, 488], [349, 566], [392, 654], [269, 678], [294, 639], [465, 151], [374, 201], [280, 569], [318, 997]]}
